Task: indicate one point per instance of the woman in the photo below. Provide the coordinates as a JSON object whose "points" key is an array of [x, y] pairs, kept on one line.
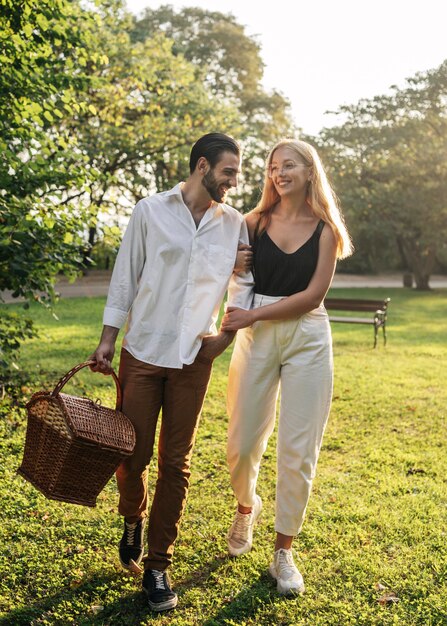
{"points": [[297, 233]]}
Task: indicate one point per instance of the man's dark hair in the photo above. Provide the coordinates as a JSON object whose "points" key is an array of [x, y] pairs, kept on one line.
{"points": [[211, 147]]}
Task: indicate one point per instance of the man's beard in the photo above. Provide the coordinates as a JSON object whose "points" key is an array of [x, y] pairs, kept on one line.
{"points": [[210, 184]]}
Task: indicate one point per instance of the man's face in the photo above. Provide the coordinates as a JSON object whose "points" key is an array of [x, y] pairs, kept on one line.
{"points": [[219, 179]]}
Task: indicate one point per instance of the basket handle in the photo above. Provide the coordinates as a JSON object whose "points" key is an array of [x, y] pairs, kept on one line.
{"points": [[64, 380]]}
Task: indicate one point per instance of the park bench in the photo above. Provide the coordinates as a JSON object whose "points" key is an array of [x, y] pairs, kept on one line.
{"points": [[377, 307]]}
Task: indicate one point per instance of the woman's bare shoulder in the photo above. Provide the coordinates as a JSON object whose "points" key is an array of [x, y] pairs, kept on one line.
{"points": [[251, 220], [328, 241], [327, 234]]}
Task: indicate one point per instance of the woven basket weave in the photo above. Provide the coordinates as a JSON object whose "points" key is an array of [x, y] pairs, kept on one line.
{"points": [[74, 445]]}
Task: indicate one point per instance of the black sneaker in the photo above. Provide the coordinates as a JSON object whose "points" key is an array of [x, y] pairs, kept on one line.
{"points": [[131, 545], [158, 588]]}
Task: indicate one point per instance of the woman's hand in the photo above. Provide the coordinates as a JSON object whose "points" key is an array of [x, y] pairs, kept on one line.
{"points": [[235, 319], [244, 258]]}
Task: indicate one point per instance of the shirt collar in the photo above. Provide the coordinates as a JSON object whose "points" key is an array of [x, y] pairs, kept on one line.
{"points": [[175, 191]]}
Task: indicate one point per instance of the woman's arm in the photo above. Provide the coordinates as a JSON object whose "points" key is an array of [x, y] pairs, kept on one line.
{"points": [[299, 303]]}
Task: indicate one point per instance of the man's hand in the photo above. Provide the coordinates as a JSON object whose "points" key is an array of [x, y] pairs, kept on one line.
{"points": [[213, 345], [103, 355], [235, 319], [244, 258]]}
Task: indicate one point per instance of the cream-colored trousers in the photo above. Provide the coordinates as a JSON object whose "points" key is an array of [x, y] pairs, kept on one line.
{"points": [[295, 355]]}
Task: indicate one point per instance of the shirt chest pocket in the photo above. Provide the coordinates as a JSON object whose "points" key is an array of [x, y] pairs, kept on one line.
{"points": [[221, 259]]}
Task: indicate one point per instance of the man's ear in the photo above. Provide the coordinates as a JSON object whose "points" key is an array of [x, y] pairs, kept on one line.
{"points": [[203, 166]]}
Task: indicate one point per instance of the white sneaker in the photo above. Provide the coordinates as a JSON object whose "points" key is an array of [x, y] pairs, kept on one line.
{"points": [[240, 535], [283, 569]]}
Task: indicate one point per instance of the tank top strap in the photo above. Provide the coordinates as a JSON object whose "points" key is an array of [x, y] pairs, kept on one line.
{"points": [[319, 227], [256, 233]]}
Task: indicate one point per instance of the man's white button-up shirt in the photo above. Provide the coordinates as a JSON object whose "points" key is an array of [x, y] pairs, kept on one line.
{"points": [[170, 277]]}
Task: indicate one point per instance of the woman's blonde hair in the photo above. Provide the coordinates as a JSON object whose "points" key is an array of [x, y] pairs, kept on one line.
{"points": [[320, 197]]}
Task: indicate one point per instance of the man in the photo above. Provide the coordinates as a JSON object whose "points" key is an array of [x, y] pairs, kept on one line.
{"points": [[169, 279]]}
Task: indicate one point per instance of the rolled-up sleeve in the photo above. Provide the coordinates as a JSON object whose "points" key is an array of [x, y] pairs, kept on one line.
{"points": [[241, 286], [127, 270]]}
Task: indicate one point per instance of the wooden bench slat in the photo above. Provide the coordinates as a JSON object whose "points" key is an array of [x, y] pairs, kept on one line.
{"points": [[355, 305], [356, 301], [353, 320]]}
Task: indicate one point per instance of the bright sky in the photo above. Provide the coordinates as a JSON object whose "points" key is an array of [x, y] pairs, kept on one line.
{"points": [[324, 53]]}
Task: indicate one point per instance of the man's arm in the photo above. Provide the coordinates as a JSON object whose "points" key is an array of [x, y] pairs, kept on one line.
{"points": [[241, 286], [129, 264], [214, 345], [240, 293], [127, 270], [244, 258]]}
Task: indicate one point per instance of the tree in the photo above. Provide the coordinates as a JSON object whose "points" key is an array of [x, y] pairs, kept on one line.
{"points": [[145, 111], [229, 63], [45, 47], [148, 113], [389, 160], [349, 152]]}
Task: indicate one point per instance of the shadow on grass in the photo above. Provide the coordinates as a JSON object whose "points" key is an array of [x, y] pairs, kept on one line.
{"points": [[55, 609], [245, 604], [132, 608]]}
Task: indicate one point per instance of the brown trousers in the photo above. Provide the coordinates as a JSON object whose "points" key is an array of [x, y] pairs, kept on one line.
{"points": [[179, 393]]}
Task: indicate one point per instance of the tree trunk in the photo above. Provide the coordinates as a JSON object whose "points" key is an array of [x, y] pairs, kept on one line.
{"points": [[420, 264], [402, 253], [86, 260], [422, 281], [407, 280]]}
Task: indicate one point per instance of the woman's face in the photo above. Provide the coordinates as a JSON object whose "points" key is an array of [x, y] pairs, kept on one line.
{"points": [[288, 172]]}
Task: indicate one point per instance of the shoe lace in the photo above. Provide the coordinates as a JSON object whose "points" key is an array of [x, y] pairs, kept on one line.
{"points": [[159, 579], [241, 523], [130, 534], [286, 565]]}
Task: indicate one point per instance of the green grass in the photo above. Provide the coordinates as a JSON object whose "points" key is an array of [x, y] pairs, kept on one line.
{"points": [[376, 523]]}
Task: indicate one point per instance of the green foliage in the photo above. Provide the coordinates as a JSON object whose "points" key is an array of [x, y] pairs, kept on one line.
{"points": [[13, 330], [146, 108], [106, 248], [225, 58], [44, 48], [389, 163], [47, 50], [375, 524], [229, 64], [147, 113]]}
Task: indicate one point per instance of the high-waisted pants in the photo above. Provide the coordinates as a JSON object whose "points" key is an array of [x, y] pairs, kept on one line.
{"points": [[179, 394], [296, 356]]}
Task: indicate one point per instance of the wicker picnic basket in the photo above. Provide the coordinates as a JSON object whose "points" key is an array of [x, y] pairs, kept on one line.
{"points": [[74, 445]]}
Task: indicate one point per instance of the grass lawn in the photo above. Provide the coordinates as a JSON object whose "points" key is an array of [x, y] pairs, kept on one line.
{"points": [[373, 549]]}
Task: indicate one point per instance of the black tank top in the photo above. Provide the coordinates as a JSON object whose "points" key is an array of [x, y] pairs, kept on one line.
{"points": [[280, 274]]}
